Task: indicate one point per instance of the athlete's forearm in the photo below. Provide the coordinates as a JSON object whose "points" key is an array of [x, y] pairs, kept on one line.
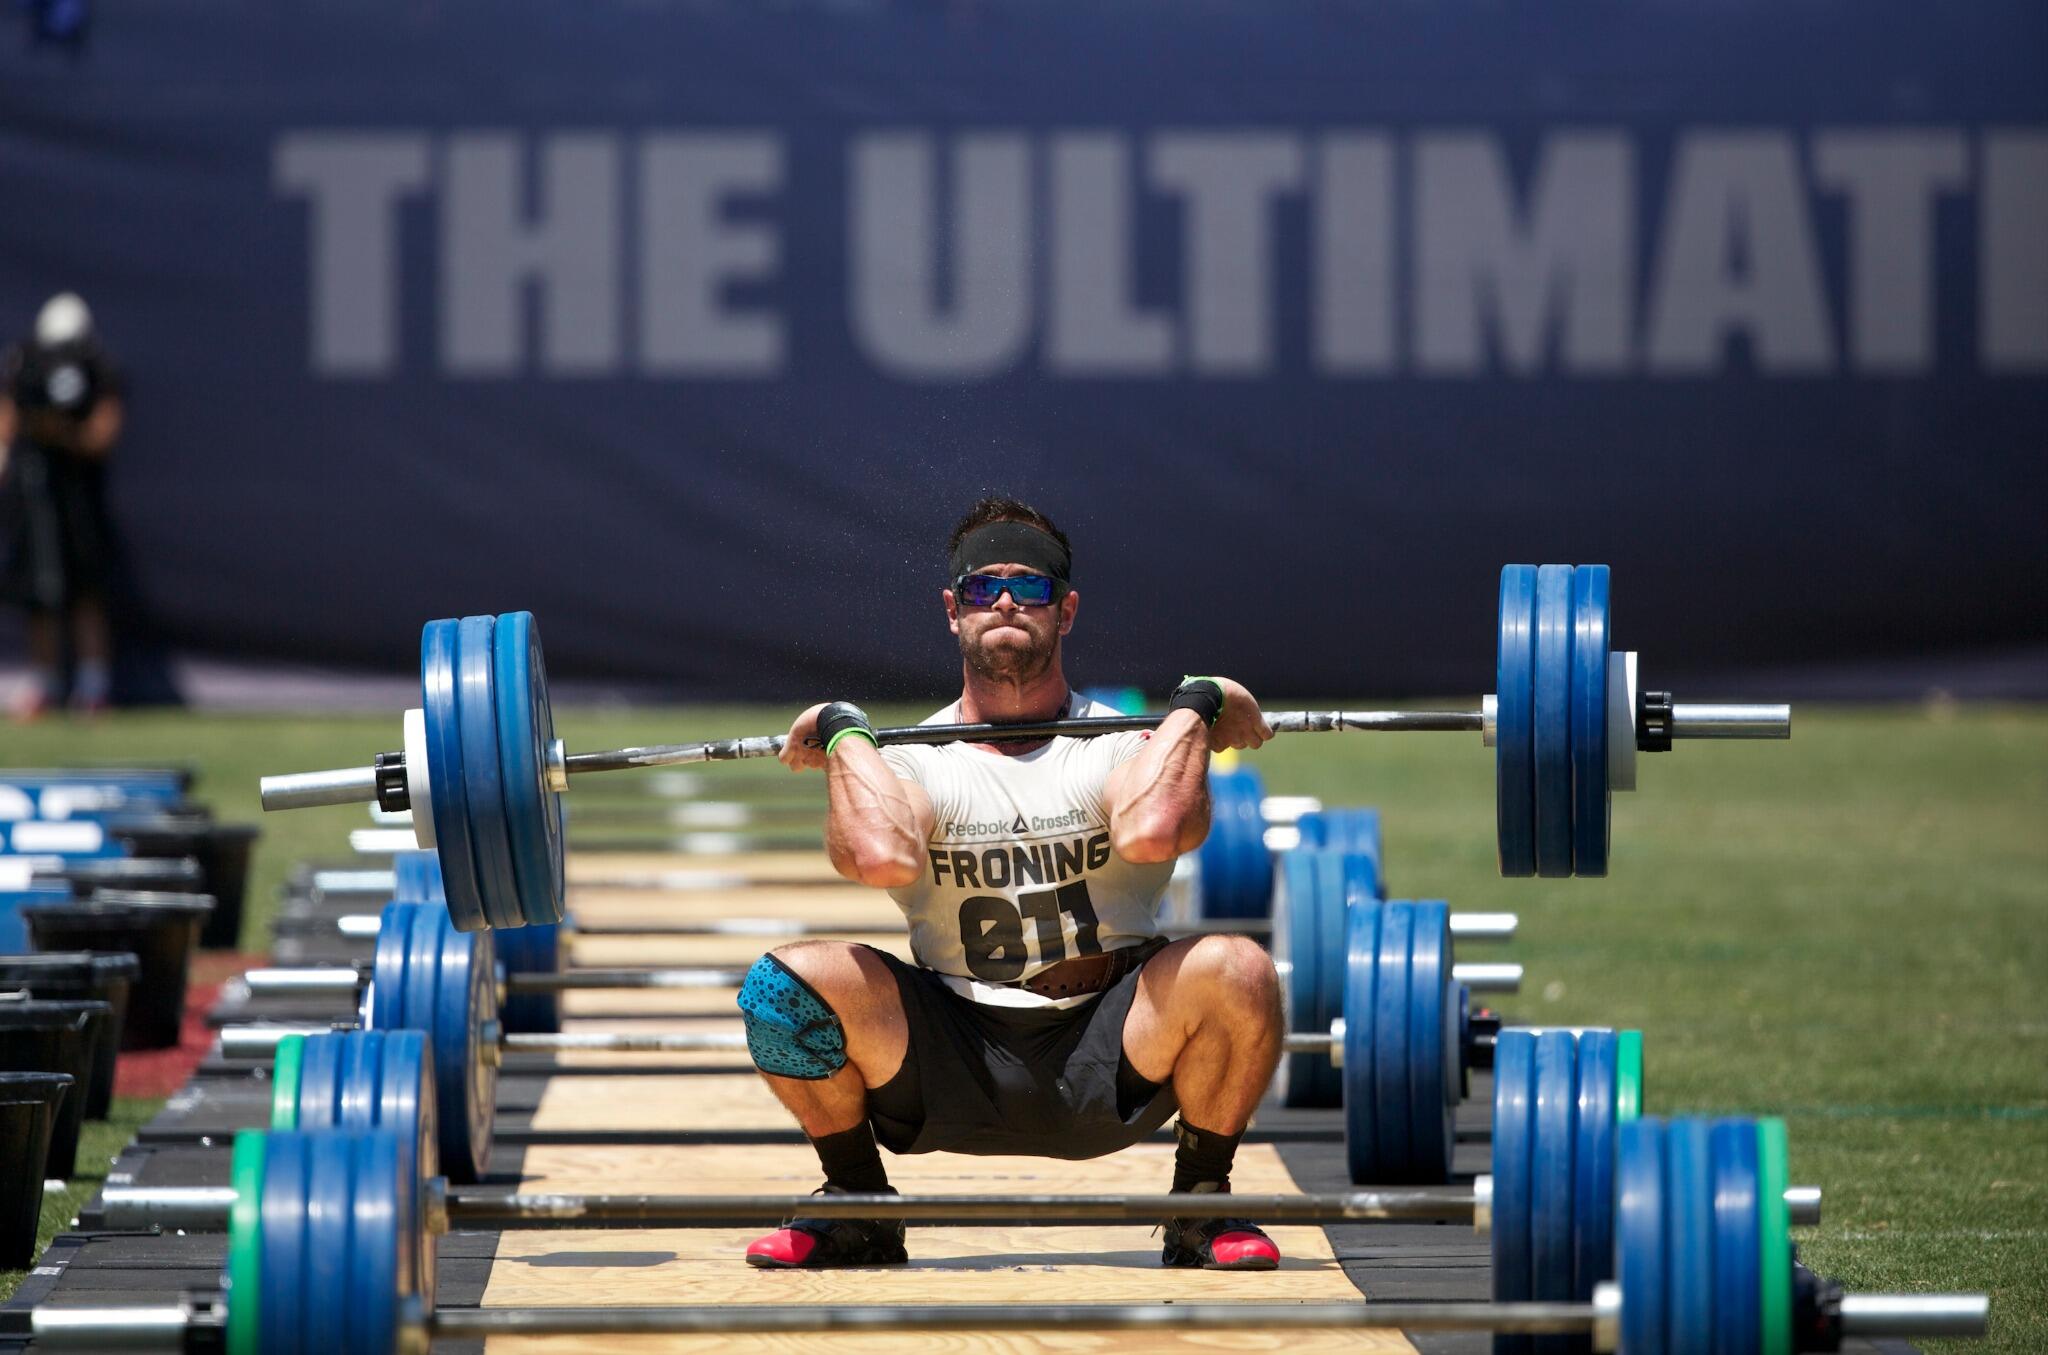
{"points": [[872, 833], [1162, 803]]}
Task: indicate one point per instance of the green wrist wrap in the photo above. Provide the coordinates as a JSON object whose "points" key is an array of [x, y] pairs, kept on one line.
{"points": [[851, 731]]}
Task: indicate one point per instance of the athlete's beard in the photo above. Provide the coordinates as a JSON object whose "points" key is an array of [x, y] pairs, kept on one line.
{"points": [[1009, 664]]}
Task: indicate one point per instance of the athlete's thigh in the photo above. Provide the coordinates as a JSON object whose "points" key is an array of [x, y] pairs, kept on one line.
{"points": [[1159, 1022]]}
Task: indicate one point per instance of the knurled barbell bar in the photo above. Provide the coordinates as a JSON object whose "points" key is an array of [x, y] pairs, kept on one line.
{"points": [[1694, 1215], [1566, 721]]}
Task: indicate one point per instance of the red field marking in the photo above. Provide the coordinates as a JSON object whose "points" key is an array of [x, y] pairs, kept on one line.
{"points": [[156, 1073]]}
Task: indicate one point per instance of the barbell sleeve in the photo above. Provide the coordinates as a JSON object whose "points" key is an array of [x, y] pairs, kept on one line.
{"points": [[1911, 1315], [309, 790], [1731, 722]]}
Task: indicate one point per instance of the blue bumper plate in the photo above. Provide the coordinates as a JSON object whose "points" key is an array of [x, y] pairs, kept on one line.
{"points": [[526, 727], [1514, 747], [1552, 732], [1592, 807], [438, 696], [1514, 1132]]}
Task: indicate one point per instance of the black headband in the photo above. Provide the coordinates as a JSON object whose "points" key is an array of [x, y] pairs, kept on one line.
{"points": [[1011, 543]]}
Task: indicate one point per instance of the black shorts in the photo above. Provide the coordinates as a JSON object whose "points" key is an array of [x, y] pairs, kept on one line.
{"points": [[1028, 1081]]}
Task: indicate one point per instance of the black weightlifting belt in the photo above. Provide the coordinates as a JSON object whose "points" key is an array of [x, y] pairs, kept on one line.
{"points": [[1086, 974]]}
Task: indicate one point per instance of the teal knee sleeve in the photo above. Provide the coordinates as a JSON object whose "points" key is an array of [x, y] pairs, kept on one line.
{"points": [[790, 1030]]}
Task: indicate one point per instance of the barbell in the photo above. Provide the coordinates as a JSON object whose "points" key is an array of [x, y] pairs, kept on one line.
{"points": [[1566, 721], [384, 1080], [350, 1217]]}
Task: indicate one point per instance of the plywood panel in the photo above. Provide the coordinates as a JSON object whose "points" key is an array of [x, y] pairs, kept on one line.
{"points": [[793, 865], [838, 902], [653, 1102], [636, 1002], [797, 902], [737, 951]]}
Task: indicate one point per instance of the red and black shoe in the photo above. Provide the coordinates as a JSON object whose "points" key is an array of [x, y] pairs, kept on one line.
{"points": [[1219, 1243], [823, 1244]]}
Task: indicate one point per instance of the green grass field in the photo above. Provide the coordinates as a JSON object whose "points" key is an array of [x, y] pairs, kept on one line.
{"points": [[1847, 930]]}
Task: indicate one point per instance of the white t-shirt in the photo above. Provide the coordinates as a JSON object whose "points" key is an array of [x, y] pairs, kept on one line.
{"points": [[1019, 873]]}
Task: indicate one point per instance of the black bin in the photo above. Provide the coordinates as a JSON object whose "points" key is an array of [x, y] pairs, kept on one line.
{"points": [[158, 929], [55, 1037], [29, 1106], [92, 976], [221, 849]]}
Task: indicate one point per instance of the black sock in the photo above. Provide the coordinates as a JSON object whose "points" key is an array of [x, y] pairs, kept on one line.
{"points": [[852, 1162], [1202, 1157]]}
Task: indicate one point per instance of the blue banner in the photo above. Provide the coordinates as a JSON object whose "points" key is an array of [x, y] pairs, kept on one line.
{"points": [[692, 327]]}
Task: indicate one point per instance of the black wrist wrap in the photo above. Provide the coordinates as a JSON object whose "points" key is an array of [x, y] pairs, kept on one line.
{"points": [[1203, 696], [840, 716]]}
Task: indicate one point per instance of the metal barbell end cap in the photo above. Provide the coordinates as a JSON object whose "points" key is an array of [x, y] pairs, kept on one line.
{"points": [[434, 1205], [1489, 719], [557, 766], [383, 841], [1802, 1206], [156, 1326], [1337, 1043], [1606, 1316], [1719, 721], [1482, 1203], [1488, 978], [413, 1336], [1484, 926], [1910, 1315]]}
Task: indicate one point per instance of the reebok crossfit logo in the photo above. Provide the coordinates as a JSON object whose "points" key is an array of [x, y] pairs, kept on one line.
{"points": [[964, 830]]}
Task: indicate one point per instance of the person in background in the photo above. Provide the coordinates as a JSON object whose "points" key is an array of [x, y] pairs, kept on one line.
{"points": [[60, 416]]}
